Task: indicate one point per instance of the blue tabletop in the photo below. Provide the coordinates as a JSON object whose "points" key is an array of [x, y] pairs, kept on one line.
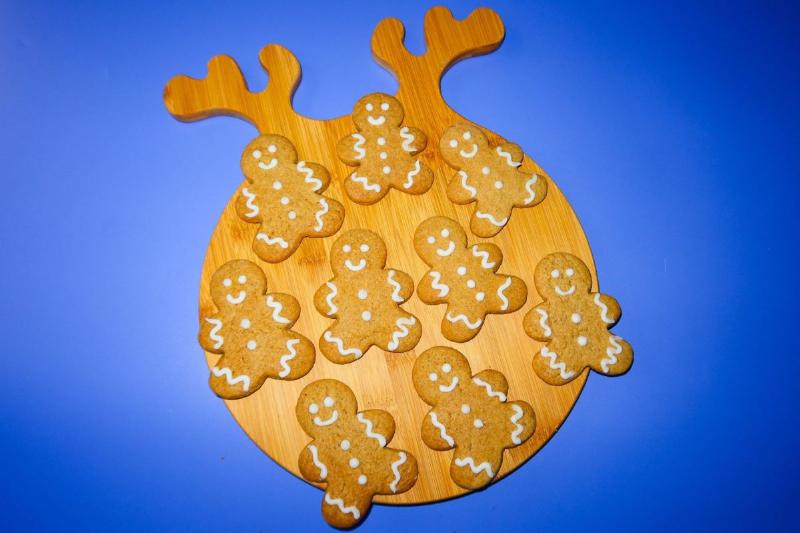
{"points": [[672, 128]]}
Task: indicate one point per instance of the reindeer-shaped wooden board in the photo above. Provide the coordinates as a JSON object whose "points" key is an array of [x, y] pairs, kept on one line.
{"points": [[382, 380]]}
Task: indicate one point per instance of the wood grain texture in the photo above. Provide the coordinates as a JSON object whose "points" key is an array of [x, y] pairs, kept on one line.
{"points": [[383, 380]]}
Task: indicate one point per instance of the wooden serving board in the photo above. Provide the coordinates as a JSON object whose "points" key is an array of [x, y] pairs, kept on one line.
{"points": [[382, 380]]}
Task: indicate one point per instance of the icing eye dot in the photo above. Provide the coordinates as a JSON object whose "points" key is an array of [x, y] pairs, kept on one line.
{"points": [[582, 340], [498, 184], [445, 233], [227, 282], [362, 479], [385, 106], [345, 444], [362, 294], [346, 248], [471, 283], [272, 148], [433, 376], [465, 408], [461, 270], [370, 107], [242, 279], [313, 408], [569, 272], [257, 154], [576, 318], [555, 273], [453, 143], [328, 401], [285, 200], [478, 423], [381, 141], [467, 136], [431, 239], [277, 185], [486, 171], [354, 462], [245, 323], [364, 248], [446, 368], [251, 345]]}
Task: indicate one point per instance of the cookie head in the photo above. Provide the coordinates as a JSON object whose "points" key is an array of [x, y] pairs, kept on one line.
{"points": [[440, 372], [460, 144], [357, 250], [377, 110], [265, 154], [438, 237], [236, 282], [323, 404], [561, 275]]}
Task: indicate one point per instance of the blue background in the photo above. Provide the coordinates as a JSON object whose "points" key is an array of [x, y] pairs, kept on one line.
{"points": [[672, 128]]}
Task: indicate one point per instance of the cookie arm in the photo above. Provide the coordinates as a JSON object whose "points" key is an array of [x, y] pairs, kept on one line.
{"points": [[510, 153], [402, 285], [493, 383], [212, 334], [432, 289], [537, 323], [489, 254], [377, 425], [414, 140], [314, 175], [350, 149], [247, 204], [608, 308], [435, 434], [325, 299], [311, 467], [284, 309], [461, 188], [521, 421]]}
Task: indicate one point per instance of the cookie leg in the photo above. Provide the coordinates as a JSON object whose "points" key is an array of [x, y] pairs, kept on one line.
{"points": [[549, 365], [405, 334], [404, 472], [418, 179], [339, 347], [459, 325], [364, 189], [272, 247], [295, 359], [616, 359], [488, 220], [474, 471], [344, 507], [230, 381]]}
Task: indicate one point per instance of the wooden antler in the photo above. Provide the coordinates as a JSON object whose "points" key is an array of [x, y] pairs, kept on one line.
{"points": [[224, 91], [447, 41]]}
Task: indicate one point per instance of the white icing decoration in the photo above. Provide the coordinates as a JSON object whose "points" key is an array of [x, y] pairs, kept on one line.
{"points": [[480, 296], [476, 469], [489, 390], [517, 427], [441, 287], [249, 203], [463, 318], [394, 283], [245, 323], [376, 121], [362, 479], [471, 153], [565, 293], [301, 166], [272, 240], [486, 171], [507, 156], [381, 141], [445, 252], [355, 268], [285, 358], [449, 388], [321, 212], [582, 340], [327, 422], [478, 423], [276, 307], [465, 408], [466, 186], [484, 255], [366, 316], [292, 215], [490, 218], [383, 155], [345, 444], [529, 187], [387, 169], [354, 462], [401, 332], [225, 371], [409, 138], [358, 147], [227, 282], [323, 470], [264, 166], [338, 502], [251, 345], [371, 434], [410, 176], [214, 333], [442, 430], [365, 182], [331, 338], [471, 283], [236, 300], [611, 353], [603, 309], [332, 307], [543, 316], [257, 154], [396, 471], [576, 318], [555, 364], [501, 293]]}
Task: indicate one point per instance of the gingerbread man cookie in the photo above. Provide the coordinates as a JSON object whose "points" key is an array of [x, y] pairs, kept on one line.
{"points": [[489, 176], [252, 331], [470, 414], [364, 299], [283, 195], [573, 323], [383, 151], [465, 278], [349, 453]]}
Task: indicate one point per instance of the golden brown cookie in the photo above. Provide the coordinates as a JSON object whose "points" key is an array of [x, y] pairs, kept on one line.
{"points": [[470, 414], [573, 323], [464, 277], [488, 176], [383, 151], [252, 331], [283, 195], [364, 299], [348, 452]]}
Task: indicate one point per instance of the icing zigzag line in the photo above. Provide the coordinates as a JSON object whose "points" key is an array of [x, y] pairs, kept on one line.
{"points": [[277, 307], [603, 309], [364, 181], [332, 307], [393, 282], [272, 240], [543, 322], [328, 336], [466, 186], [409, 138], [301, 166], [507, 156], [359, 146], [529, 187], [560, 366], [323, 470], [518, 427], [463, 318], [401, 332], [410, 176], [396, 471], [290, 344], [338, 502], [249, 203], [484, 255], [489, 390], [371, 434], [321, 212], [483, 467], [611, 352], [214, 333], [501, 293], [490, 218], [436, 283], [442, 430], [225, 371]]}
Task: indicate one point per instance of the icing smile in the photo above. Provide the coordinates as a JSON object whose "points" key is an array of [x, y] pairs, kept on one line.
{"points": [[267, 166], [376, 121], [334, 417], [355, 268], [449, 388], [238, 299], [471, 153], [565, 293], [444, 252]]}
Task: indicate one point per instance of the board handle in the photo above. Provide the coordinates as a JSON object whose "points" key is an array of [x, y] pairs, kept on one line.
{"points": [[224, 90], [447, 41]]}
